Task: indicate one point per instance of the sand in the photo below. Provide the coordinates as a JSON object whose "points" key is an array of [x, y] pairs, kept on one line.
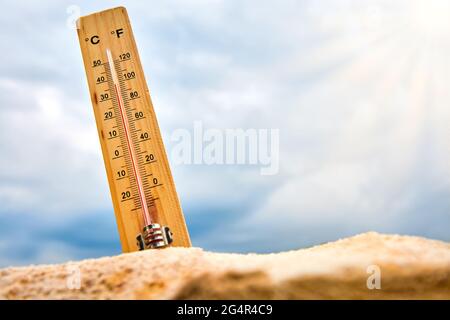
{"points": [[366, 266]]}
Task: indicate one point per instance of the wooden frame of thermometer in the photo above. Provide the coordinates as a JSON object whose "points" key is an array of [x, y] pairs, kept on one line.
{"points": [[146, 204]]}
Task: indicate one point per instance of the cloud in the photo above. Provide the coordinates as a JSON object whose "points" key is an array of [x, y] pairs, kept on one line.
{"points": [[50, 151], [359, 92]]}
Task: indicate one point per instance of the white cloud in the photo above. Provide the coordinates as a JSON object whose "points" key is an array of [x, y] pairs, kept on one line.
{"points": [[50, 152]]}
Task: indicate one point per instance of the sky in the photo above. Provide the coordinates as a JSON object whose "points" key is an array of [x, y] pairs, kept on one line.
{"points": [[358, 91]]}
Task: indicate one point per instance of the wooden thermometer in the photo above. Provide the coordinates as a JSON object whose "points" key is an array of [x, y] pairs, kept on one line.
{"points": [[146, 204]]}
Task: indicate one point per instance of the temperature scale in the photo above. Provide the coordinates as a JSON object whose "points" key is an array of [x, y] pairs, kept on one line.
{"points": [[146, 204]]}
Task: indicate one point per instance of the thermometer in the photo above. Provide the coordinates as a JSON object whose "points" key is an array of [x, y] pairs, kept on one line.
{"points": [[145, 200]]}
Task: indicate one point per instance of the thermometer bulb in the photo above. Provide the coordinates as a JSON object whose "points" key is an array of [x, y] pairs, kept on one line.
{"points": [[154, 236]]}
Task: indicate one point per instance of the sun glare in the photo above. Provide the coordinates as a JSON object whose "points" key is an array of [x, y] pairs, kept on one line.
{"points": [[431, 18]]}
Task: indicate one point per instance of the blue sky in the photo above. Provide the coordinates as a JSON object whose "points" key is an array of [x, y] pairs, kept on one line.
{"points": [[359, 92]]}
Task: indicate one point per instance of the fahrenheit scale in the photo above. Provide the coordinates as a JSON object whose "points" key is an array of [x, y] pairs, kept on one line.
{"points": [[146, 204]]}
